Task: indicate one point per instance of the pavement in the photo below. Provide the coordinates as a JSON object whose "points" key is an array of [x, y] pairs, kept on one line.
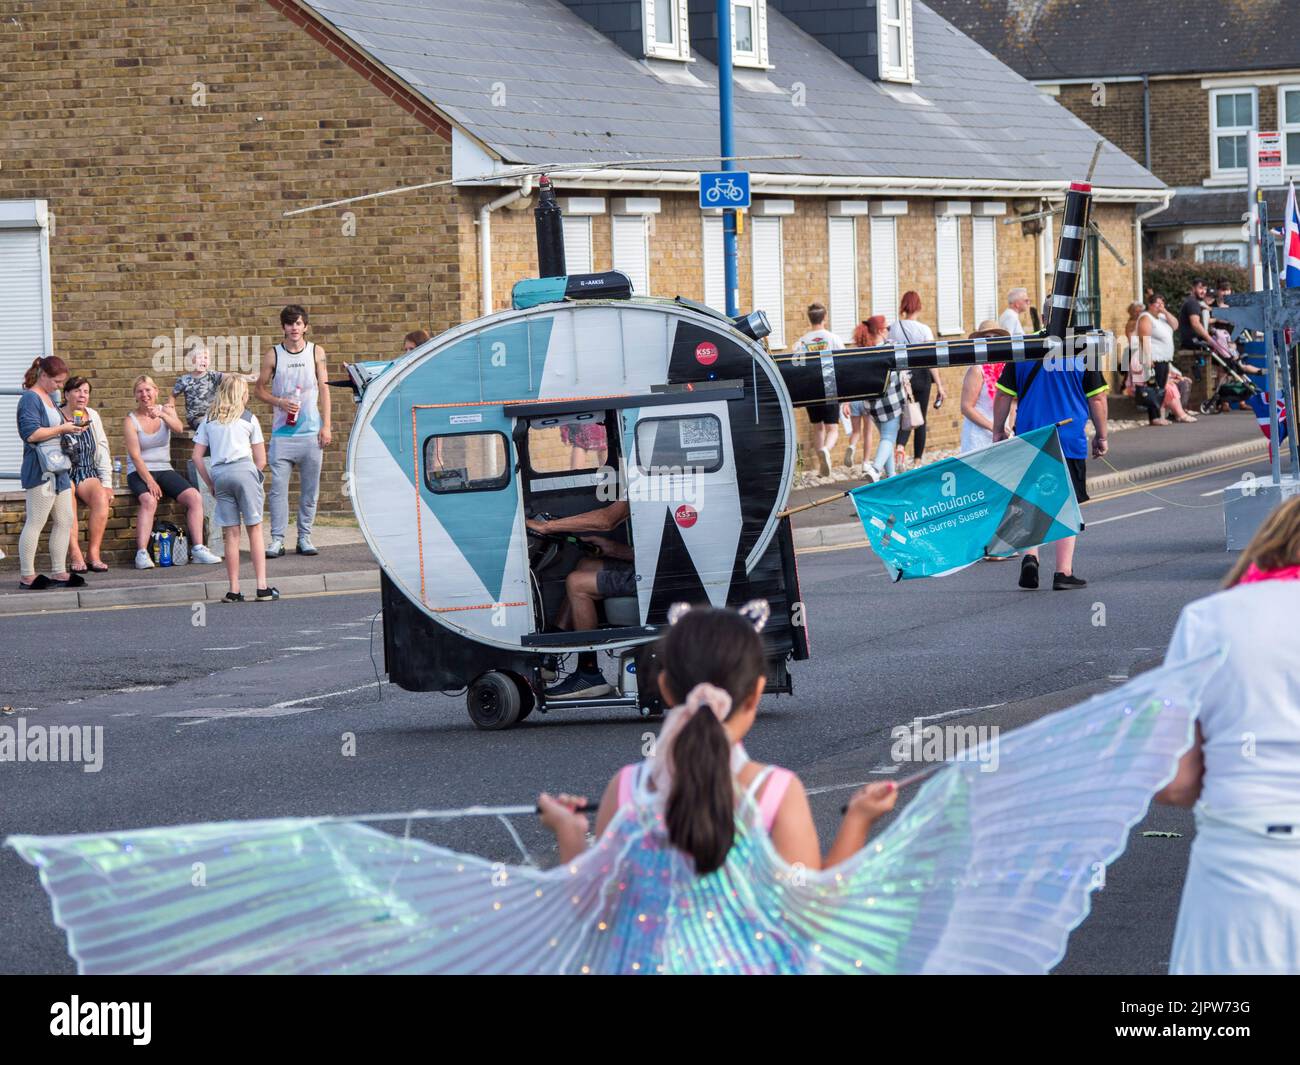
{"points": [[251, 711], [346, 564]]}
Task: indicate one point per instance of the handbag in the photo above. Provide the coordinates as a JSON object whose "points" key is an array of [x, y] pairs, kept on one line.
{"points": [[913, 416], [52, 456]]}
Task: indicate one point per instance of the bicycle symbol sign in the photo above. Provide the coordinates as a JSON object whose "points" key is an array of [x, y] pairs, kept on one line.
{"points": [[726, 188]]}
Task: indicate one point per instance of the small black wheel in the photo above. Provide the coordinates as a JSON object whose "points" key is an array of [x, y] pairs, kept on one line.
{"points": [[493, 701], [1209, 407], [527, 700]]}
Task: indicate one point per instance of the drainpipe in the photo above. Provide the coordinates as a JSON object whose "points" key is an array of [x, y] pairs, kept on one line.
{"points": [[1138, 219], [1146, 120], [485, 240]]}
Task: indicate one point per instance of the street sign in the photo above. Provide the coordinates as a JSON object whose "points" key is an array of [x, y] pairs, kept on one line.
{"points": [[1270, 159], [725, 188]]}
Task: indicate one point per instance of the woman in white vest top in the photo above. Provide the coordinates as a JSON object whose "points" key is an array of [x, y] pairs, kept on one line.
{"points": [[1155, 331], [294, 381]]}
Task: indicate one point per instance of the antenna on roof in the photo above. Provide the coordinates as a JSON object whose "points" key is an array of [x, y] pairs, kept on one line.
{"points": [[526, 171]]}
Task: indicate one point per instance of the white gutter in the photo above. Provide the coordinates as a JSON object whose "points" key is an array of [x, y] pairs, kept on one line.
{"points": [[485, 240], [1138, 294], [812, 185]]}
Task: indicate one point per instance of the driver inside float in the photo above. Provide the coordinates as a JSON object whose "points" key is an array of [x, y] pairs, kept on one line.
{"points": [[609, 575]]}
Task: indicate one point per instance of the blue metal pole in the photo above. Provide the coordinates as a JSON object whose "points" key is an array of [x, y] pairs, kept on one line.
{"points": [[728, 150]]}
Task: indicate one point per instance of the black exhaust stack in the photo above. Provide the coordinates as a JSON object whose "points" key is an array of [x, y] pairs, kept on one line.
{"points": [[550, 232]]}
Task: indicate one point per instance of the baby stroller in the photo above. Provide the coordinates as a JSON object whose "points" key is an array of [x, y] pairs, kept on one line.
{"points": [[1235, 388]]}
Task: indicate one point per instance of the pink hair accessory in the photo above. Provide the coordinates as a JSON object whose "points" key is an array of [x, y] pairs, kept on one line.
{"points": [[661, 763]]}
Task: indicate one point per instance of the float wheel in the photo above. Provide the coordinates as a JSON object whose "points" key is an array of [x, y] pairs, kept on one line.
{"points": [[493, 701]]}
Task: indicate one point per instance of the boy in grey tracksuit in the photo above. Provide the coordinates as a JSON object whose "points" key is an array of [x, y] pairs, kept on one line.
{"points": [[295, 382]]}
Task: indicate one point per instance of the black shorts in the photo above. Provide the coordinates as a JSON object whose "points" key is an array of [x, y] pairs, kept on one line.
{"points": [[616, 578], [171, 483], [1079, 475], [824, 413]]}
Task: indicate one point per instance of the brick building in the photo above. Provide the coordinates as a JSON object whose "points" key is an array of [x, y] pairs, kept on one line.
{"points": [[151, 151], [1177, 87]]}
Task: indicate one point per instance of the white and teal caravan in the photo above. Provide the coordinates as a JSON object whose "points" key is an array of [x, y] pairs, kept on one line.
{"points": [[580, 396]]}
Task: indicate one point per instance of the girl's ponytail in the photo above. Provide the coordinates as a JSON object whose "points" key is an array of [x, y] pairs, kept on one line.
{"points": [[721, 648], [701, 813]]}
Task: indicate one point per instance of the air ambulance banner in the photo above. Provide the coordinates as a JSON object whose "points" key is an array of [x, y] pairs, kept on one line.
{"points": [[940, 518]]}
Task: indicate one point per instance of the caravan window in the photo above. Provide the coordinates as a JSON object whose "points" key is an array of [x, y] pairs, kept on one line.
{"points": [[568, 443], [466, 462], [666, 445]]}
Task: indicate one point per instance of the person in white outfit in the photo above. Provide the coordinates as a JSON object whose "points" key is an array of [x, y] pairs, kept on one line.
{"points": [[825, 417], [1155, 332], [1240, 910], [1018, 303], [977, 390]]}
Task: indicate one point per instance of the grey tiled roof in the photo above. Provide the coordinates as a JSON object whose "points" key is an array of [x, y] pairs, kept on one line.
{"points": [[1045, 39], [572, 95], [1214, 207]]}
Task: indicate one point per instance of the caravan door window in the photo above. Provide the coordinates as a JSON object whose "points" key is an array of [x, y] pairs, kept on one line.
{"points": [[664, 445], [466, 462], [567, 442]]}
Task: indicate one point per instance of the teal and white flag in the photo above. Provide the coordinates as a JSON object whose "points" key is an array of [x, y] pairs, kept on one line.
{"points": [[1000, 499]]}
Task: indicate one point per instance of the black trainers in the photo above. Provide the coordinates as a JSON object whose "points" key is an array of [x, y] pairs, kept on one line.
{"points": [[578, 685], [265, 595], [1063, 582], [1029, 572], [233, 597]]}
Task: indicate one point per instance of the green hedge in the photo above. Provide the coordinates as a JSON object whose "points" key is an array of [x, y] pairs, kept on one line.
{"points": [[1172, 278]]}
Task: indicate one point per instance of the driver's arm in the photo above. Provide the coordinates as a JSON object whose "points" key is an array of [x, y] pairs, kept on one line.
{"points": [[603, 519]]}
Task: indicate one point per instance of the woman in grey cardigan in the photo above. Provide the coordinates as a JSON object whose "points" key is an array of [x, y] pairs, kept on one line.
{"points": [[49, 493]]}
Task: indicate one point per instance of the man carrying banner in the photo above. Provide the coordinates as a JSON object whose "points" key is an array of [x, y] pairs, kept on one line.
{"points": [[1059, 389]]}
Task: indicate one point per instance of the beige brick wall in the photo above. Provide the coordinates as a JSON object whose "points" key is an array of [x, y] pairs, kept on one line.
{"points": [[168, 215]]}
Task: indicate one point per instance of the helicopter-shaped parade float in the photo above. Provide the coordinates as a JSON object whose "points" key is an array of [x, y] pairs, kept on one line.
{"points": [[453, 450]]}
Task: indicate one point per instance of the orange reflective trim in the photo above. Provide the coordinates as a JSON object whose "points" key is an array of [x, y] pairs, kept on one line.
{"points": [[485, 606]]}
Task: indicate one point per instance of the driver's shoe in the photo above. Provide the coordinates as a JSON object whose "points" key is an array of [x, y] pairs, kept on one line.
{"points": [[579, 685]]}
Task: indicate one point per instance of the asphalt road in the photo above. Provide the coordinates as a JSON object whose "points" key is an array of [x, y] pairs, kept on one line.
{"points": [[251, 711]]}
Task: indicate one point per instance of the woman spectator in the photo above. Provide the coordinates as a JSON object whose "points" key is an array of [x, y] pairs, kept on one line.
{"points": [[150, 476], [1155, 332], [46, 475], [1135, 376], [887, 413], [1240, 910], [92, 476], [869, 334], [414, 339], [909, 330], [977, 389]]}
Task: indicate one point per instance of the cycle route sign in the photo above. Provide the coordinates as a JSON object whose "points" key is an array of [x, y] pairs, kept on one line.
{"points": [[725, 188]]}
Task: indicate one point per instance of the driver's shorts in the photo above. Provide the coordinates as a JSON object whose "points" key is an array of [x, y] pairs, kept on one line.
{"points": [[616, 578]]}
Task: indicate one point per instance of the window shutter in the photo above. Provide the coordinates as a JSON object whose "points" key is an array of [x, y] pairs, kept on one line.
{"points": [[884, 268], [577, 245], [24, 329], [984, 244], [769, 282], [632, 250], [843, 290], [715, 280], [947, 273]]}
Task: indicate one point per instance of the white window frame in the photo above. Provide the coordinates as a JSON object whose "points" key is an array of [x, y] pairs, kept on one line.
{"points": [[757, 57], [19, 352], [1289, 165], [950, 312], [681, 46], [714, 260], [1241, 248], [989, 227], [775, 314], [843, 313], [577, 230], [895, 68], [623, 221], [1216, 131], [884, 236]]}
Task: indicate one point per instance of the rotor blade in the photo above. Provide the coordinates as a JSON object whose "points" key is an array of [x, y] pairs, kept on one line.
{"points": [[1013, 219], [525, 171], [1109, 246]]}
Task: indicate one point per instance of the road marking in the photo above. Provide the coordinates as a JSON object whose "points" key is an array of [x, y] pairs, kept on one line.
{"points": [[218, 713], [955, 713], [317, 647], [327, 695], [129, 713], [239, 648], [1121, 517], [364, 639], [1216, 492], [1191, 475], [139, 688]]}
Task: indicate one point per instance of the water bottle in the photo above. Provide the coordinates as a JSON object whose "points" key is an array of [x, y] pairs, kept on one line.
{"points": [[293, 414], [117, 474], [164, 548]]}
